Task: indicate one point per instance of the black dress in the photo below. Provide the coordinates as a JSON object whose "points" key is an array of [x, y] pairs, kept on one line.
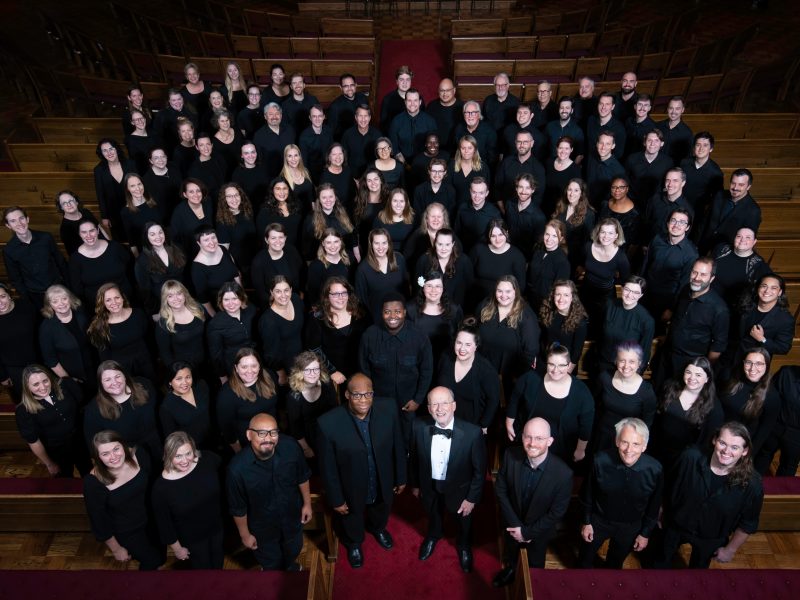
{"points": [[337, 348], [555, 332], [165, 190], [439, 329], [58, 427], [265, 268], [242, 239], [139, 147], [126, 345], [176, 414], [281, 339], [292, 225], [477, 394], [122, 513], [184, 223], [461, 182], [207, 279], [110, 194], [187, 343], [556, 182], [303, 414], [150, 280], [231, 152], [613, 406], [68, 231], [134, 221], [68, 345], [544, 270], [18, 344], [87, 275], [227, 335], [488, 266], [455, 285], [393, 178], [672, 432], [255, 184], [630, 221], [577, 237], [189, 510], [597, 288], [512, 351], [234, 413], [759, 426], [622, 325], [342, 183], [372, 285]]}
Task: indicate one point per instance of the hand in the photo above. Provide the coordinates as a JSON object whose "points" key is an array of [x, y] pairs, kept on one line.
{"points": [[6, 382], [512, 435], [106, 224], [415, 492], [236, 447], [666, 316], [338, 378], [640, 543], [52, 468], [357, 254], [757, 333], [410, 406], [121, 554], [485, 430], [282, 379], [587, 533], [343, 509], [223, 380], [308, 452], [250, 541], [398, 489], [306, 513], [579, 454], [466, 508], [399, 156], [724, 555], [181, 553], [516, 533]]}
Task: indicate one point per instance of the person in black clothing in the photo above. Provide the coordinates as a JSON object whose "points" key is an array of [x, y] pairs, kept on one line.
{"points": [[359, 141], [72, 211], [738, 267], [398, 359], [187, 406], [559, 172], [333, 260], [180, 332], [48, 419], [312, 395], [703, 175], [785, 435], [660, 205], [278, 259], [471, 377], [524, 122], [393, 103], [362, 463], [481, 131], [499, 108], [140, 208], [564, 125], [341, 112], [446, 110], [382, 271], [573, 209], [526, 221], [548, 263], [135, 103], [165, 125], [730, 211], [33, 261], [283, 208], [436, 189], [269, 495], [191, 215], [433, 313], [495, 256], [646, 169], [713, 503], [140, 141], [18, 321], [212, 267], [297, 105], [158, 262], [563, 322], [108, 174], [677, 135], [281, 328], [188, 503], [521, 161], [62, 337], [115, 492], [639, 124], [314, 141], [231, 329], [327, 211], [251, 176], [126, 405], [606, 121], [250, 118], [235, 225], [621, 497], [163, 181], [272, 138], [185, 152], [602, 167], [337, 172], [208, 166], [473, 219], [625, 99], [420, 166]]}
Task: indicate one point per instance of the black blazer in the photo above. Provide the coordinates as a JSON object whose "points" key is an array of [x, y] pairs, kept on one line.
{"points": [[550, 498], [343, 454], [466, 466]]}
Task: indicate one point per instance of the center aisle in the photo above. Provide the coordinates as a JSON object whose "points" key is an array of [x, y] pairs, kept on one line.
{"points": [[428, 62], [400, 575]]}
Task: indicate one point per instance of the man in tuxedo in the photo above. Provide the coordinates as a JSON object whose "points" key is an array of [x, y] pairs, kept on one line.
{"points": [[362, 461], [533, 489], [448, 463]]}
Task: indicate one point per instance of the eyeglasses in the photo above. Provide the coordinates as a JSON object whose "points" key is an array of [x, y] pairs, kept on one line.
{"points": [[619, 187], [437, 171], [311, 370], [446, 90], [678, 222], [749, 364], [361, 395], [440, 405], [472, 113], [382, 148], [338, 294], [632, 292], [263, 433], [68, 202], [557, 366]]}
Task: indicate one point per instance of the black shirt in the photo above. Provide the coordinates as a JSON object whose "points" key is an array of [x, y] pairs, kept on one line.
{"points": [[227, 335], [699, 325], [34, 266]]}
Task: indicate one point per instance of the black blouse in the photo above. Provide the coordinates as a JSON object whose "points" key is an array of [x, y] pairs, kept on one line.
{"points": [[303, 414], [281, 339], [227, 335], [207, 279], [176, 414], [187, 342], [478, 392], [234, 413]]}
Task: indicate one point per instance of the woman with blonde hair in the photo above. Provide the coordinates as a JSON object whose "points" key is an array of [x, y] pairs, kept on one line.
{"points": [[63, 341], [234, 88], [332, 259], [465, 166], [311, 396], [297, 175], [180, 334]]}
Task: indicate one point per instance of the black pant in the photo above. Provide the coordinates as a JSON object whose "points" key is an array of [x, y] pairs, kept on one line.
{"points": [[436, 507], [374, 518], [703, 549], [537, 550], [787, 440], [207, 553], [622, 535], [141, 545], [279, 548]]}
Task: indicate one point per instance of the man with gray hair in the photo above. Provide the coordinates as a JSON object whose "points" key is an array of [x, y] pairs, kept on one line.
{"points": [[499, 108], [474, 125], [621, 497], [272, 138]]}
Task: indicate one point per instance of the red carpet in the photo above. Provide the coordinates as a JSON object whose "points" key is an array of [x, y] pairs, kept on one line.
{"points": [[398, 573], [427, 59]]}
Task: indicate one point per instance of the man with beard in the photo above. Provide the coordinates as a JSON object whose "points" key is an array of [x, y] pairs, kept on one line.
{"points": [[269, 495], [730, 211], [625, 98], [342, 111]]}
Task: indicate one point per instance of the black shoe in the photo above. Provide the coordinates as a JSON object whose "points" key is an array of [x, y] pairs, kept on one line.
{"points": [[295, 567], [384, 539], [504, 577], [465, 558], [355, 557], [426, 549]]}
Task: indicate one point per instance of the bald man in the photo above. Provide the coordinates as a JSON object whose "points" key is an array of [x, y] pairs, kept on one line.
{"points": [[269, 495], [533, 489], [446, 110]]}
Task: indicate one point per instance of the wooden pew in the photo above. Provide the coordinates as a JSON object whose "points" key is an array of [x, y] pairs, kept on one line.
{"points": [[52, 157], [34, 188], [479, 47], [479, 91], [10, 438], [34, 504], [477, 27], [783, 256], [779, 219], [757, 153], [480, 71], [770, 183], [78, 130], [742, 125], [328, 92], [347, 27]]}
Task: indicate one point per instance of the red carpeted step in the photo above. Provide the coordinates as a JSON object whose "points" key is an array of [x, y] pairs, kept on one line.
{"points": [[428, 62]]}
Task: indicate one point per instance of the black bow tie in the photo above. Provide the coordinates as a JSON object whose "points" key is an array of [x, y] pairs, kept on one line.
{"points": [[448, 433]]}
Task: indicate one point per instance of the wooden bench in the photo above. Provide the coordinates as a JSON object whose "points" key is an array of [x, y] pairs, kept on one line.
{"points": [[33, 188], [78, 130], [52, 157], [347, 27], [477, 27], [533, 70], [742, 125], [783, 256], [779, 219], [10, 439], [480, 71], [757, 152]]}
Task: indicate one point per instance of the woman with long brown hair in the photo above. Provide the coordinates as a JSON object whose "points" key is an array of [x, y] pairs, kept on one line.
{"points": [[564, 320], [578, 216], [326, 212], [382, 271]]}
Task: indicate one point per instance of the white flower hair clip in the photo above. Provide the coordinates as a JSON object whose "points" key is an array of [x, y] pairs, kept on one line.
{"points": [[420, 281]]}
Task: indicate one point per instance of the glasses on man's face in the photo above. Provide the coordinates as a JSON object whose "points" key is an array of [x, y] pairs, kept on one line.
{"points": [[683, 222], [472, 113], [338, 294], [619, 187], [361, 395], [311, 370], [631, 292], [263, 433]]}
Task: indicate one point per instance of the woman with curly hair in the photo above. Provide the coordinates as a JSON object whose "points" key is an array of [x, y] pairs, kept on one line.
{"points": [[311, 396], [564, 320], [382, 271], [250, 390], [119, 332], [335, 327], [688, 414], [433, 313], [578, 216], [159, 261], [281, 207], [180, 333], [749, 398], [370, 200], [326, 212], [332, 259], [235, 227]]}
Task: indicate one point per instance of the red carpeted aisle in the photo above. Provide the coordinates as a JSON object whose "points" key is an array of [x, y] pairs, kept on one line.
{"points": [[427, 59], [398, 574]]}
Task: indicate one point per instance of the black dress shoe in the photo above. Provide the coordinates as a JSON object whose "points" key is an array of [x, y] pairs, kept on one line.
{"points": [[465, 559], [354, 557], [426, 549], [504, 577], [384, 539]]}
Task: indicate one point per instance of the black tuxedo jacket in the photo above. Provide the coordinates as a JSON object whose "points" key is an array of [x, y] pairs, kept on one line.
{"points": [[466, 466], [343, 454], [550, 498]]}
